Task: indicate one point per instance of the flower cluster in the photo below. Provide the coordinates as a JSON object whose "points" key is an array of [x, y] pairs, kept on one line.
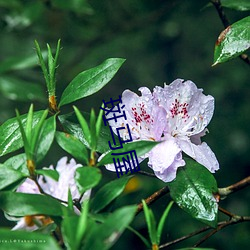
{"points": [[58, 189], [177, 115]]}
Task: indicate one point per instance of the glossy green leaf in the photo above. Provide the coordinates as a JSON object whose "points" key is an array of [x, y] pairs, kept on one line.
{"points": [[19, 90], [90, 81], [9, 175], [73, 146], [10, 136], [87, 177], [71, 124], [193, 191], [21, 204], [18, 162], [46, 138], [233, 41], [53, 174], [16, 240], [105, 235], [108, 193], [141, 148], [241, 5]]}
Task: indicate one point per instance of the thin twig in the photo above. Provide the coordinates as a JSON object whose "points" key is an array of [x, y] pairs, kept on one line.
{"points": [[223, 192], [235, 220], [224, 211], [146, 173], [226, 23], [204, 229], [152, 198]]}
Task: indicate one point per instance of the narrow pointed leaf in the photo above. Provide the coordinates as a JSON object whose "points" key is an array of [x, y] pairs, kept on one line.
{"points": [[73, 146], [108, 193], [90, 81], [46, 137], [84, 125], [87, 177], [233, 41], [193, 191], [162, 221], [109, 232], [71, 124], [10, 136]]}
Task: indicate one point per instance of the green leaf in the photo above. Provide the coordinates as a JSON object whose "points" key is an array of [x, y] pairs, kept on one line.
{"points": [[241, 5], [108, 193], [162, 222], [92, 126], [143, 239], [69, 230], [82, 223], [70, 123], [46, 138], [98, 124], [141, 148], [8, 176], [90, 81], [151, 223], [19, 90], [16, 240], [193, 191], [37, 132], [87, 177], [19, 63], [73, 146], [105, 235], [74, 228], [10, 136], [18, 162], [233, 41], [20, 204], [53, 174], [84, 125]]}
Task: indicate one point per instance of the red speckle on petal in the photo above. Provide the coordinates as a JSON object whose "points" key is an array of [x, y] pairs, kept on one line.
{"points": [[141, 114], [179, 109]]}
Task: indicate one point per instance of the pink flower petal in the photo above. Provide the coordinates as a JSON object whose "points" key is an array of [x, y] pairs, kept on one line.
{"points": [[201, 153], [165, 158]]}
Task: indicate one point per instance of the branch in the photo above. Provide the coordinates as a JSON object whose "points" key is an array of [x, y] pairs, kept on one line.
{"points": [[226, 23], [146, 173], [235, 220], [223, 192], [152, 198]]}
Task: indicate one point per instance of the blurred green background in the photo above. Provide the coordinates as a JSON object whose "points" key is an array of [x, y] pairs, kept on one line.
{"points": [[161, 41]]}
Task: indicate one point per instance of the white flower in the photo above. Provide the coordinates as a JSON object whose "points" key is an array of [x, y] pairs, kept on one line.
{"points": [[177, 115], [58, 189]]}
